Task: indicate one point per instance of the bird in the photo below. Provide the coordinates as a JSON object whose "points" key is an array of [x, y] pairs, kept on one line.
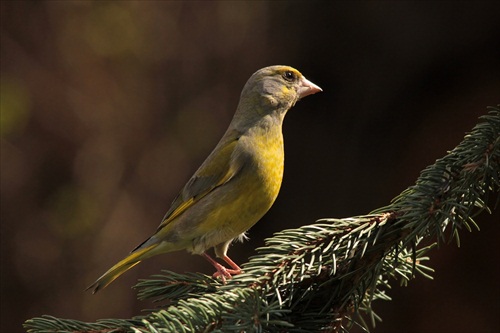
{"points": [[236, 185]]}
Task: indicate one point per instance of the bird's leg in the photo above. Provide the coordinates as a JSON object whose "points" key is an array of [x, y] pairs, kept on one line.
{"points": [[222, 271], [235, 268]]}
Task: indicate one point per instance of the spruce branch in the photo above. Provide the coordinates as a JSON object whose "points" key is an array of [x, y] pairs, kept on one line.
{"points": [[325, 276]]}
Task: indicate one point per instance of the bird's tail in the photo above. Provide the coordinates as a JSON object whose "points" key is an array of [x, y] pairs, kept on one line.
{"points": [[121, 267]]}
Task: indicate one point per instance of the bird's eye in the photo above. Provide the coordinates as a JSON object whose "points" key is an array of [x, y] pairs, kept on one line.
{"points": [[289, 76]]}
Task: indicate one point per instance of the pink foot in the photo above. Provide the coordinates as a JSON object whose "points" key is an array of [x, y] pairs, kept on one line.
{"points": [[223, 272]]}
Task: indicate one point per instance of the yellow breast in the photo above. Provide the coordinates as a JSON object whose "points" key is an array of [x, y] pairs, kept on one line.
{"points": [[264, 145], [237, 205], [270, 161]]}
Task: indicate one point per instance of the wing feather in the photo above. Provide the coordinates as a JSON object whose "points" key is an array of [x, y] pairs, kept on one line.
{"points": [[217, 169]]}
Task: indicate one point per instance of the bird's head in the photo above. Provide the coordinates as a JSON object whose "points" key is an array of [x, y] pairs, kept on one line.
{"points": [[274, 90]]}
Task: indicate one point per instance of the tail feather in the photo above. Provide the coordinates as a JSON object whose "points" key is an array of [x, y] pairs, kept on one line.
{"points": [[121, 267]]}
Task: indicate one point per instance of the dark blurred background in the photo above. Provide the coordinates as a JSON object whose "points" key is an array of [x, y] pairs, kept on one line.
{"points": [[107, 108]]}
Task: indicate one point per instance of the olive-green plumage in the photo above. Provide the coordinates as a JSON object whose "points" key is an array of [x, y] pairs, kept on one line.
{"points": [[237, 183]]}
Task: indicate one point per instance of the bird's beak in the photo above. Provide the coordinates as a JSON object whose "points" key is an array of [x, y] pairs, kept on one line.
{"points": [[307, 88]]}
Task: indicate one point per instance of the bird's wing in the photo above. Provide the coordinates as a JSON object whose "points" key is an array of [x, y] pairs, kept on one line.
{"points": [[217, 169]]}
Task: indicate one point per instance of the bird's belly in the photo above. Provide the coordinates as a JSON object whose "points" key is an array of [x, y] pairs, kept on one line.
{"points": [[235, 207], [260, 180], [238, 209]]}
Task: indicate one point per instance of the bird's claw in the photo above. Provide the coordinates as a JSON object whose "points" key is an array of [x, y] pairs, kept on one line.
{"points": [[223, 273]]}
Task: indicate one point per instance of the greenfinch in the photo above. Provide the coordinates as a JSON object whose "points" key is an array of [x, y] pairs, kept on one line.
{"points": [[237, 183]]}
